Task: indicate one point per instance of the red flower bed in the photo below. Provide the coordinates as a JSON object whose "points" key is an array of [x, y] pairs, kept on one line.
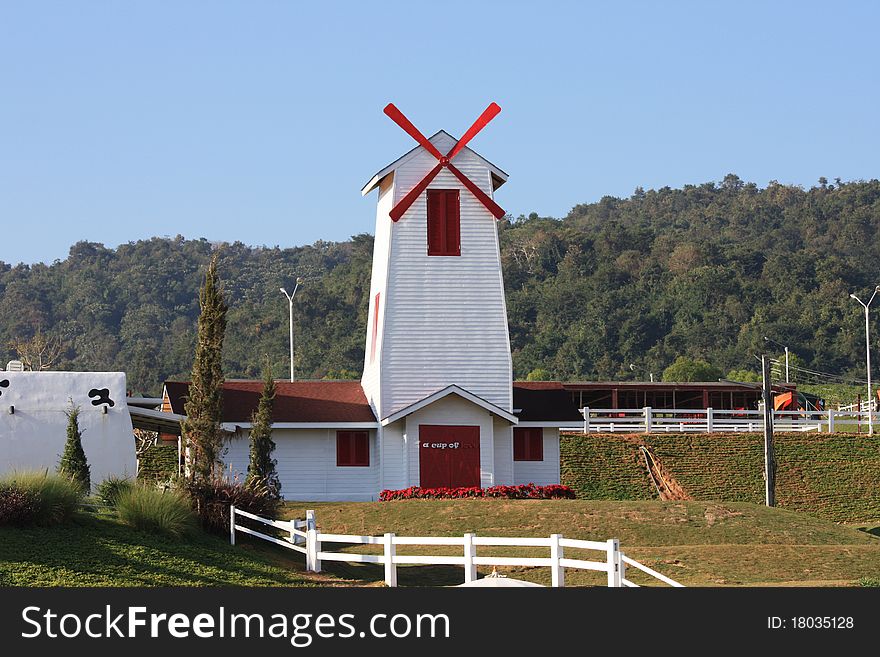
{"points": [[521, 492]]}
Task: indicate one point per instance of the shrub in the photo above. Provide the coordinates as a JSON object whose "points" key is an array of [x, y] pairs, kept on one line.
{"points": [[73, 462], [520, 492], [155, 511], [111, 488], [17, 506], [212, 499], [53, 498]]}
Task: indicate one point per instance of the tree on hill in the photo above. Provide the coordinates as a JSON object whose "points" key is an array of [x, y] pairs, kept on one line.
{"points": [[261, 473], [73, 463], [686, 369], [203, 408]]}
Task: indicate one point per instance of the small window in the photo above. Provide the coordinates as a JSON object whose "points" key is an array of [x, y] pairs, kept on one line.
{"points": [[528, 444], [352, 448], [375, 327], [444, 238]]}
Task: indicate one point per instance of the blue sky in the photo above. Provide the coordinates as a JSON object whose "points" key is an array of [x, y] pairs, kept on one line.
{"points": [[259, 121]]}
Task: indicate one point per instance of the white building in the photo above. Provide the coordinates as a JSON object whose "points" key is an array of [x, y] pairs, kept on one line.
{"points": [[436, 405], [33, 421]]}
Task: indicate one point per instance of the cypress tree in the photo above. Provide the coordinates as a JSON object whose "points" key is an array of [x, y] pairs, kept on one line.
{"points": [[73, 462], [201, 429], [261, 472]]}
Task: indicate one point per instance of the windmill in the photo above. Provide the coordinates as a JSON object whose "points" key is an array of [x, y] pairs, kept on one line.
{"points": [[437, 314]]}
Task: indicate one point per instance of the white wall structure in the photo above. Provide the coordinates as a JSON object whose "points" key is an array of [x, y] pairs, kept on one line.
{"points": [[307, 466], [441, 319], [33, 423], [542, 472]]}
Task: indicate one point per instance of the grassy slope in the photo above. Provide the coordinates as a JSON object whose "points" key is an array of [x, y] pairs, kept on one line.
{"points": [[833, 476], [97, 550], [697, 543]]}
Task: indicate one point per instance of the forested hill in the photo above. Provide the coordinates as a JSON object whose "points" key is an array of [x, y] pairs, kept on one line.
{"points": [[704, 271]]}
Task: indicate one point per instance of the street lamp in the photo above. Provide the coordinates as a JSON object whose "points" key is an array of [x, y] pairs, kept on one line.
{"points": [[866, 306], [290, 304], [766, 339]]}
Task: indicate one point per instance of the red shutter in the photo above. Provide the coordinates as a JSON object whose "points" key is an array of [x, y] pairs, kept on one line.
{"points": [[343, 447], [536, 445], [519, 445], [362, 449], [436, 222], [375, 327], [444, 230], [528, 444], [352, 448], [453, 230]]}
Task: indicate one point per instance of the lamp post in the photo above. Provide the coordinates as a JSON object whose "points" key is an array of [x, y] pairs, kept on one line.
{"points": [[866, 306], [290, 305], [766, 339]]}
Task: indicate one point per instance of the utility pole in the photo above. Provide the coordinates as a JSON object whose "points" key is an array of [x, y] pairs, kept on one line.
{"points": [[769, 457]]}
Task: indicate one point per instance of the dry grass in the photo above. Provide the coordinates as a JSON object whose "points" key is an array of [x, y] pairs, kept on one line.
{"points": [[696, 543]]}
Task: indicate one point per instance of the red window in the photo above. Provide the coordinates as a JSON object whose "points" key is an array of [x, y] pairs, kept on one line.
{"points": [[444, 236], [528, 444], [353, 448], [375, 327]]}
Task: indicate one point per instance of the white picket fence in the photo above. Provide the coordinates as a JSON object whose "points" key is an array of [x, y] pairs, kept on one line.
{"points": [[708, 420], [304, 537]]}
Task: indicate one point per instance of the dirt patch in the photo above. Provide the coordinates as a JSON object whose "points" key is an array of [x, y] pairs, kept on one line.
{"points": [[667, 487], [713, 514]]}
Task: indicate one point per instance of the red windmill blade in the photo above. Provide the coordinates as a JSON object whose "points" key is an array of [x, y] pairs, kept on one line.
{"points": [[444, 161]]}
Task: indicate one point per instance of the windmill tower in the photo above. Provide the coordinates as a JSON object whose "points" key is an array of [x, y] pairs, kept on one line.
{"points": [[437, 313]]}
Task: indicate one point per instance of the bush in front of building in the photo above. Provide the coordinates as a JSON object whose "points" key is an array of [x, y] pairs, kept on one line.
{"points": [[111, 488], [211, 501], [38, 498], [520, 492], [155, 511]]}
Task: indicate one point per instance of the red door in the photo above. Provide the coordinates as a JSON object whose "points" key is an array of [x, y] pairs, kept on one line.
{"points": [[449, 456]]}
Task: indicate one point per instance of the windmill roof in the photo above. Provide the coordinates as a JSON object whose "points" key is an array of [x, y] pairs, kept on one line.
{"points": [[499, 177]]}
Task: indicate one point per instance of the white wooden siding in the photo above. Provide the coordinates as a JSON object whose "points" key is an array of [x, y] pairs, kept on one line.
{"points": [[452, 410], [503, 452], [543, 472], [445, 320], [394, 466], [378, 285], [307, 466]]}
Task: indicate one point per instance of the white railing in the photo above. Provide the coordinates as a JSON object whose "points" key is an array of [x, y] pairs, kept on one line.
{"points": [[863, 407], [297, 530], [709, 420], [613, 561]]}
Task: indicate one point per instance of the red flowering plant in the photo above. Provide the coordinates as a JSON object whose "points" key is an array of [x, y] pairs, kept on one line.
{"points": [[520, 492]]}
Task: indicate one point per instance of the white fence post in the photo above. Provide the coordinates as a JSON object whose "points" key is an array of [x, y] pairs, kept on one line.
{"points": [[390, 566], [614, 563], [558, 574], [470, 568], [232, 524], [647, 411], [586, 412], [311, 523], [830, 420], [313, 546], [710, 420]]}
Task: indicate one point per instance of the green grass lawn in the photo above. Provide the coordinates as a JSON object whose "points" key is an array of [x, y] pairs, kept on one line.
{"points": [[98, 550], [696, 543]]}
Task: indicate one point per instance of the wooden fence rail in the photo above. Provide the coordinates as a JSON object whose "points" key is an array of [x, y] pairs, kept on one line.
{"points": [[612, 561]]}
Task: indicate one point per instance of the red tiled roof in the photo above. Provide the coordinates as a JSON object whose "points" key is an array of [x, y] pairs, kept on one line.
{"points": [[544, 401], [300, 401]]}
